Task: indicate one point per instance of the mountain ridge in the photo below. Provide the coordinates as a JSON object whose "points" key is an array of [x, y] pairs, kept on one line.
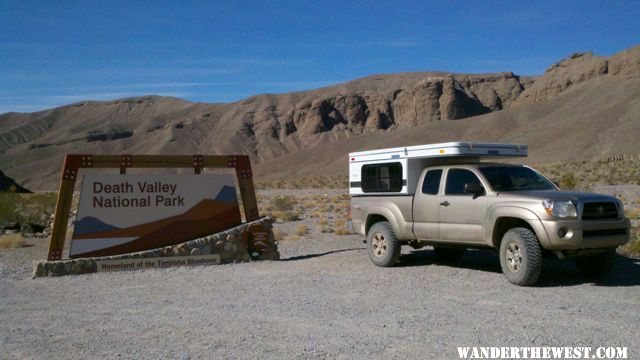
{"points": [[389, 109]]}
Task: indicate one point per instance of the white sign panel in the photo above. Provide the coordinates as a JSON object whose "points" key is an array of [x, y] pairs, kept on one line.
{"points": [[120, 214]]}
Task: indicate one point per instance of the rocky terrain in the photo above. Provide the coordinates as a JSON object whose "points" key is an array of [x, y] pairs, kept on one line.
{"points": [[323, 299], [584, 106]]}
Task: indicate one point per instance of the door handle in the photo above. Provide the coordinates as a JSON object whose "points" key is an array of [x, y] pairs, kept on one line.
{"points": [[445, 203]]}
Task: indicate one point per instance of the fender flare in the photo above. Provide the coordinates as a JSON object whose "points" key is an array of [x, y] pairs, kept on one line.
{"points": [[519, 212], [387, 214]]}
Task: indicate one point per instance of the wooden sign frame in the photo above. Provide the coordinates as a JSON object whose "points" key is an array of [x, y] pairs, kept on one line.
{"points": [[74, 162]]}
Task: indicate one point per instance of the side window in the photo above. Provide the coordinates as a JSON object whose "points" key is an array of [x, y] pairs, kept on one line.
{"points": [[456, 179], [382, 177], [431, 182]]}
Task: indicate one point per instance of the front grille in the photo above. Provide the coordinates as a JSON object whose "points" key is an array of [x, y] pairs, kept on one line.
{"points": [[600, 211], [608, 232]]}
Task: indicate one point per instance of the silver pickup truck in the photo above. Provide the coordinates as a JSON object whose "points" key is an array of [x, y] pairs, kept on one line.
{"points": [[512, 209]]}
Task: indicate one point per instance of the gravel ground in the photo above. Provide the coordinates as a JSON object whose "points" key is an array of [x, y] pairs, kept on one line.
{"points": [[324, 300]]}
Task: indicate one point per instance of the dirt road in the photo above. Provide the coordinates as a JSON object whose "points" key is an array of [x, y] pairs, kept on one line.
{"points": [[324, 300]]}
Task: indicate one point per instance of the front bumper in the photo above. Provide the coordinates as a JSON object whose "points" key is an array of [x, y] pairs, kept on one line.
{"points": [[577, 234]]}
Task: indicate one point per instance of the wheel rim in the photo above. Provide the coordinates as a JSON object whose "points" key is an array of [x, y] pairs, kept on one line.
{"points": [[513, 256], [379, 245]]}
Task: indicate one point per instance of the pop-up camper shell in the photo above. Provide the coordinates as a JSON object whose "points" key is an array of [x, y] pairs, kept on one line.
{"points": [[411, 160]]}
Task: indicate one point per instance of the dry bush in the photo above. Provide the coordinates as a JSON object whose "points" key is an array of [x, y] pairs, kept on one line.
{"points": [[632, 248], [12, 241], [291, 216], [568, 182], [301, 230], [308, 204], [323, 221], [325, 228], [277, 216], [341, 227], [632, 213], [284, 203], [266, 208], [279, 234]]}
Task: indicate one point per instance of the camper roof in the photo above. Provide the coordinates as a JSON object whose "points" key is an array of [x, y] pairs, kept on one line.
{"points": [[452, 149]]}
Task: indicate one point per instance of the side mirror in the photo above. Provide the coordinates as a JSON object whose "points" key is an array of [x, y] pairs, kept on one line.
{"points": [[474, 189]]}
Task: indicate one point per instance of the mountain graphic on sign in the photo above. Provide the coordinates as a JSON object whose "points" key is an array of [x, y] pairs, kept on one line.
{"points": [[90, 224], [205, 218], [227, 194]]}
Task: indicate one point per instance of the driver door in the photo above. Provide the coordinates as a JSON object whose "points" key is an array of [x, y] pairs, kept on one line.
{"points": [[462, 214]]}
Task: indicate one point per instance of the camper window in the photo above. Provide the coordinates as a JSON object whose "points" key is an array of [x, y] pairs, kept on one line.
{"points": [[385, 177]]}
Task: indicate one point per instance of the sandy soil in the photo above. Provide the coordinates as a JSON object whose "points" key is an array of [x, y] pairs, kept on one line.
{"points": [[323, 300]]}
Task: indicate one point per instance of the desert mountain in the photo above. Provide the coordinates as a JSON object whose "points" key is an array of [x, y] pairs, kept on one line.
{"points": [[582, 107]]}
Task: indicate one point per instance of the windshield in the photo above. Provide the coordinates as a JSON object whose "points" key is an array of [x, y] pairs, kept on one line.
{"points": [[515, 178]]}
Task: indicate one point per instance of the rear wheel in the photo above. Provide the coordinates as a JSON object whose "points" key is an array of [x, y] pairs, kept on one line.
{"points": [[596, 266], [448, 254], [382, 245], [520, 257]]}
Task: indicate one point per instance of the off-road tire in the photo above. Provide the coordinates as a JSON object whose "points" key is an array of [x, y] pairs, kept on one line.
{"points": [[521, 256], [449, 254], [382, 245], [596, 266]]}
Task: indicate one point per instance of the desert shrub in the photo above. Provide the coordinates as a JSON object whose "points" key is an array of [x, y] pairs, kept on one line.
{"points": [[632, 213], [326, 229], [632, 248], [32, 211], [568, 181], [276, 216], [323, 221], [291, 216], [301, 230], [278, 234], [282, 216], [284, 203], [342, 227], [12, 241]]}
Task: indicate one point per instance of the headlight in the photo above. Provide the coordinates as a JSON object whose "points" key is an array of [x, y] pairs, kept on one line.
{"points": [[561, 209]]}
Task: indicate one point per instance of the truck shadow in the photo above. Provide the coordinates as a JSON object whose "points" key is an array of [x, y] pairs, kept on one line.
{"points": [[554, 272], [311, 256]]}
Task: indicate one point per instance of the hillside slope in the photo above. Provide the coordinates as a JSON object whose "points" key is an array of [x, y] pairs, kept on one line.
{"points": [[583, 106], [593, 120]]}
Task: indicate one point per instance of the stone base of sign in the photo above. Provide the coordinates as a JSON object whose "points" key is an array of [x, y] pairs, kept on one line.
{"points": [[248, 242]]}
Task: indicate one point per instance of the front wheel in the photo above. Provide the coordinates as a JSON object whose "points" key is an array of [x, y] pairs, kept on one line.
{"points": [[520, 257], [382, 245]]}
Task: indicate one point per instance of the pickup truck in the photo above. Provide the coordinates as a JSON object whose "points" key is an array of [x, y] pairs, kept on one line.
{"points": [[512, 209]]}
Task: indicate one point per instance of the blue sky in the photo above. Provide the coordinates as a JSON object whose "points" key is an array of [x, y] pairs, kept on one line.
{"points": [[58, 52]]}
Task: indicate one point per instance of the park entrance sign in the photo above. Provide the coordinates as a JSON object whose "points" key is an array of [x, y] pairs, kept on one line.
{"points": [[125, 213], [120, 214]]}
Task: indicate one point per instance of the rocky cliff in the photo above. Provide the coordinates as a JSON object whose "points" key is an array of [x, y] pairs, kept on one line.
{"points": [[267, 127]]}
